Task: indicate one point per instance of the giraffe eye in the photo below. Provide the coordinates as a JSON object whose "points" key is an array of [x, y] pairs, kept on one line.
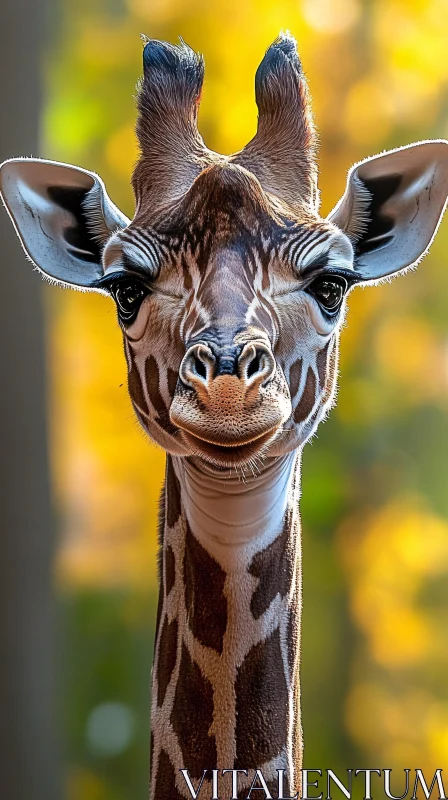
{"points": [[129, 296], [329, 292]]}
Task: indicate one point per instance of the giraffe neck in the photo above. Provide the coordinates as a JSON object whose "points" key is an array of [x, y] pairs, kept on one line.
{"points": [[225, 676]]}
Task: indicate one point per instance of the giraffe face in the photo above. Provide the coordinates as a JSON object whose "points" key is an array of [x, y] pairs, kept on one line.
{"points": [[230, 309], [230, 287]]}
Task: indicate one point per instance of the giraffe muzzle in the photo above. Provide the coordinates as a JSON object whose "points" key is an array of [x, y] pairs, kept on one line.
{"points": [[230, 397]]}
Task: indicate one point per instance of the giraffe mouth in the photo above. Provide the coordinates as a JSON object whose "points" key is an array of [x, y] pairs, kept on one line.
{"points": [[230, 455]]}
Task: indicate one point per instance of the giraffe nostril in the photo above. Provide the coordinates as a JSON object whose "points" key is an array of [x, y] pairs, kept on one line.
{"points": [[254, 365], [197, 367], [200, 368]]}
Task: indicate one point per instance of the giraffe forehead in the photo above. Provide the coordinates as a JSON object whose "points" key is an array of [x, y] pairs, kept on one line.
{"points": [[225, 208], [218, 260], [225, 222], [256, 263]]}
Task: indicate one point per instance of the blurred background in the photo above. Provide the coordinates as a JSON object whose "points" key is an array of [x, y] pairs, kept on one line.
{"points": [[81, 585]]}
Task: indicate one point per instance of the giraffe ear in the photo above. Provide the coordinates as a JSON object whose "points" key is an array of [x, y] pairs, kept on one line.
{"points": [[392, 207], [63, 217]]}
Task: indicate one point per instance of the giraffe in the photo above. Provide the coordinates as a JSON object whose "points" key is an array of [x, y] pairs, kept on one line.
{"points": [[231, 292]]}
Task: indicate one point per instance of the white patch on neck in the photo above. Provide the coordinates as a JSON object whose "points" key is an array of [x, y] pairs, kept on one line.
{"points": [[233, 519]]}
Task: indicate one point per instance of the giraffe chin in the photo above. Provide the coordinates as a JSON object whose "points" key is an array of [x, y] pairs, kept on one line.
{"points": [[228, 456]]}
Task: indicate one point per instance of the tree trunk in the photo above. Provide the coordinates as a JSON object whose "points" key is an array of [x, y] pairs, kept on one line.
{"points": [[27, 688]]}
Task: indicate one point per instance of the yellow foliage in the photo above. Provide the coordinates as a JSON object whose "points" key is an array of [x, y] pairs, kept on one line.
{"points": [[122, 151], [107, 474], [396, 725], [327, 16], [408, 351], [390, 556], [368, 111]]}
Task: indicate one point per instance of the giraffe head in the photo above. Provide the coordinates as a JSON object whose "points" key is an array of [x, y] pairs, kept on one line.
{"points": [[230, 287]]}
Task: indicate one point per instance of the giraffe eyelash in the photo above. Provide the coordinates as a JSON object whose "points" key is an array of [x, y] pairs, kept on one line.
{"points": [[107, 282], [314, 271]]}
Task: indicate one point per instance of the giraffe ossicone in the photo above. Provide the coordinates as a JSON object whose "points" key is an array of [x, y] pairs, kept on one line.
{"points": [[230, 290]]}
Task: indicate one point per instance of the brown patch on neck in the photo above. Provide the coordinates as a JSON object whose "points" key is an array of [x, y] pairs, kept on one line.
{"points": [[192, 717], [274, 567], [205, 602], [167, 657], [151, 753], [293, 634], [165, 785], [159, 614], [261, 705], [293, 631]]}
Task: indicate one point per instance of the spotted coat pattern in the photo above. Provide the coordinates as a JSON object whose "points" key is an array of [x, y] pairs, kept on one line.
{"points": [[226, 691]]}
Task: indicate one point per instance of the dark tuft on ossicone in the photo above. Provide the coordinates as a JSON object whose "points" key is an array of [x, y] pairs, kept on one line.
{"points": [[172, 151], [282, 153], [281, 68], [280, 57], [285, 43], [171, 71]]}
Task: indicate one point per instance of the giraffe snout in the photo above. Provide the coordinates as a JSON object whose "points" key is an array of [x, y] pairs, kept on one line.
{"points": [[230, 396]]}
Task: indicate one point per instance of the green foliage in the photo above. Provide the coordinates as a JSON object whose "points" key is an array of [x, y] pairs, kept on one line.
{"points": [[106, 650]]}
